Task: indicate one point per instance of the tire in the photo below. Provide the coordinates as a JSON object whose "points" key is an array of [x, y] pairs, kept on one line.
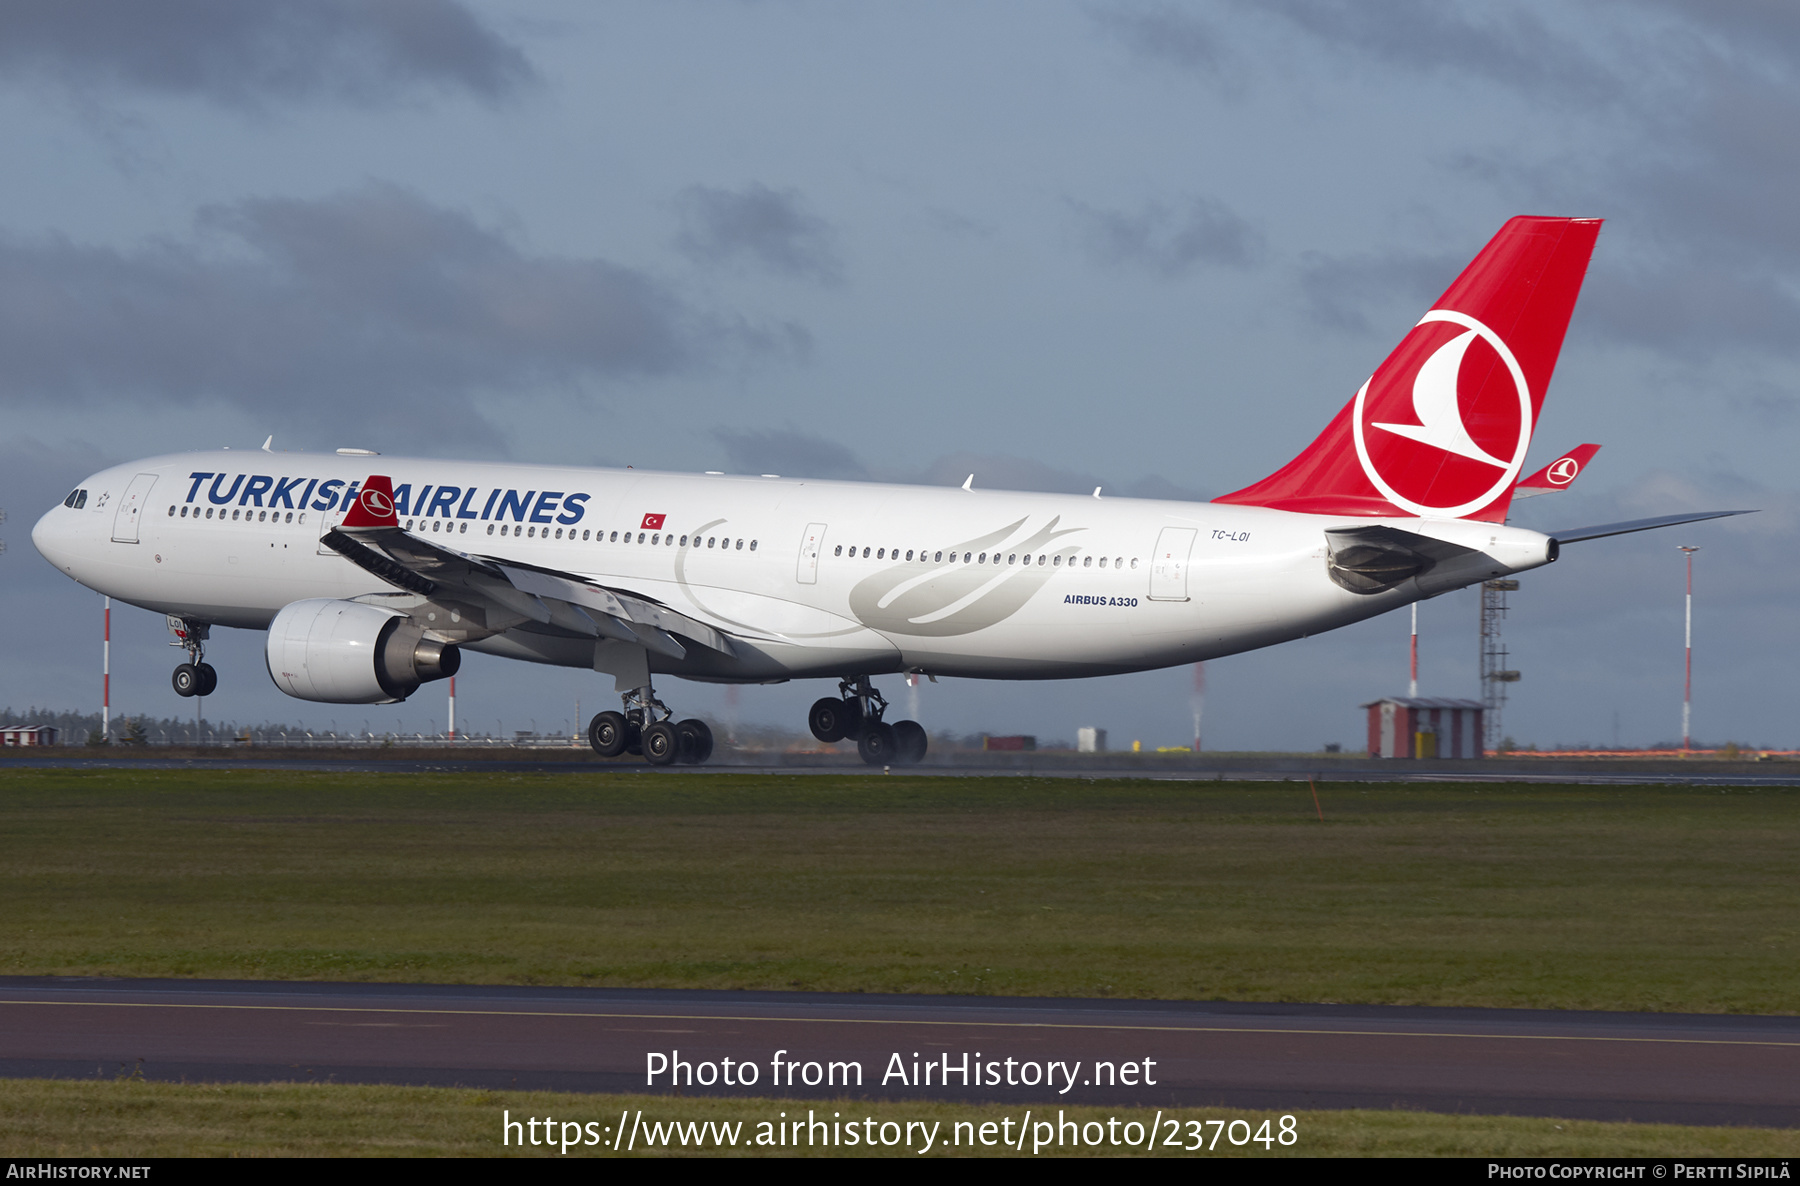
{"points": [[662, 746], [697, 741], [876, 745], [609, 733], [833, 720], [910, 743], [209, 680], [186, 680]]}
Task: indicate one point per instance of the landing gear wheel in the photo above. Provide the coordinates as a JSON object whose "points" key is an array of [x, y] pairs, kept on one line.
{"points": [[661, 744], [696, 741], [876, 745], [209, 679], [186, 680], [834, 720], [909, 743], [609, 733]]}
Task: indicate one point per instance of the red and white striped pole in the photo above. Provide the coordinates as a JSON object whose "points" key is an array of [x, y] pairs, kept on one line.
{"points": [[1412, 686], [1687, 679], [106, 674]]}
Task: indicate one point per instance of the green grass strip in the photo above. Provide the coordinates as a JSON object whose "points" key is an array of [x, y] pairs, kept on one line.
{"points": [[125, 1118], [1653, 898]]}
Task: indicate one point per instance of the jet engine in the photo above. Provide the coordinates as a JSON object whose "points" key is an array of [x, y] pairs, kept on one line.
{"points": [[346, 652]]}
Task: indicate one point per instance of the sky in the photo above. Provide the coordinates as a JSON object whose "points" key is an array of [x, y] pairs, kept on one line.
{"points": [[1151, 247]]}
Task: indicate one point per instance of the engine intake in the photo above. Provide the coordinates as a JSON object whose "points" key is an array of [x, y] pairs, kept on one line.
{"points": [[346, 652]]}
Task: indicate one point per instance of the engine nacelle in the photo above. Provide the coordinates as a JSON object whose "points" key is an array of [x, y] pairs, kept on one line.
{"points": [[346, 652]]}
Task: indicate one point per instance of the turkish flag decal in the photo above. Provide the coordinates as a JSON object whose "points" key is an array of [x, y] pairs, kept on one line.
{"points": [[652, 522]]}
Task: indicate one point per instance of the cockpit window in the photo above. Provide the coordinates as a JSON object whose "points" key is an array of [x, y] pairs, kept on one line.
{"points": [[76, 500]]}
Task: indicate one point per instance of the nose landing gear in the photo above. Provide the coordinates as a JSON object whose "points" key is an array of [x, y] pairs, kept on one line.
{"points": [[195, 677], [647, 727], [857, 713]]}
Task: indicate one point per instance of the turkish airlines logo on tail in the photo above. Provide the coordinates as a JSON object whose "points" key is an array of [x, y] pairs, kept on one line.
{"points": [[652, 522], [1442, 428], [1563, 471], [377, 503]]}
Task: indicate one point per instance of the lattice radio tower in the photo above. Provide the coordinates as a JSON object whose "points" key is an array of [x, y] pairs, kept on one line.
{"points": [[1495, 675]]}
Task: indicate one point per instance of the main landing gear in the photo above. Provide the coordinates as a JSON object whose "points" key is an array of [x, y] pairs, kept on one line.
{"points": [[193, 678], [648, 727], [858, 714]]}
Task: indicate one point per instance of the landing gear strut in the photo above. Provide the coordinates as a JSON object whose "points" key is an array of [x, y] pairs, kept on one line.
{"points": [[195, 677], [857, 713], [647, 726]]}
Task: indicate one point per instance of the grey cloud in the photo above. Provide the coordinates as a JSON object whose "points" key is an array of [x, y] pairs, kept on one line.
{"points": [[759, 226], [789, 453], [372, 306], [1170, 242], [1341, 291], [1508, 45], [1170, 36], [243, 54]]}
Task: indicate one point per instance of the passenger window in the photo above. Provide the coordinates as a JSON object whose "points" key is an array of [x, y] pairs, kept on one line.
{"points": [[880, 553], [668, 541], [740, 545], [209, 511], [1058, 561], [302, 516], [490, 529], [1087, 562], [865, 553], [684, 541], [909, 553], [940, 558], [1134, 562], [656, 540], [559, 533], [840, 550], [235, 514], [1102, 562], [184, 512], [171, 511], [981, 559], [753, 545], [965, 557], [463, 530], [711, 540], [408, 525]]}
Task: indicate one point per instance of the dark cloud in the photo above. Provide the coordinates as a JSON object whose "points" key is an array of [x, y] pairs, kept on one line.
{"points": [[374, 306], [244, 54], [762, 227], [1171, 242], [789, 453]]}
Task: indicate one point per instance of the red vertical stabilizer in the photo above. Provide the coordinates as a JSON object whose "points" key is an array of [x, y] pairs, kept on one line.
{"points": [[1442, 428]]}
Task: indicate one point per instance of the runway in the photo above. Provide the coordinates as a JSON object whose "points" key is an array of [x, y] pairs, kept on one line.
{"points": [[1675, 1068]]}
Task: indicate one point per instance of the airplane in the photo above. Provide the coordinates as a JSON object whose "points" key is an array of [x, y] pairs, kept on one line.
{"points": [[371, 574]]}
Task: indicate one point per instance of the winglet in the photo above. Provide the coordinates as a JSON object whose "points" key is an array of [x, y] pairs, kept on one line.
{"points": [[374, 507], [1558, 474], [969, 482]]}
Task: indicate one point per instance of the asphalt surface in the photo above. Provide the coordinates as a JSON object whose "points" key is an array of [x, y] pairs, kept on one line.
{"points": [[1676, 1068]]}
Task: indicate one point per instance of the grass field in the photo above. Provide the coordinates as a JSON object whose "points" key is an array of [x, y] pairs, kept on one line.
{"points": [[1571, 897], [42, 1118]]}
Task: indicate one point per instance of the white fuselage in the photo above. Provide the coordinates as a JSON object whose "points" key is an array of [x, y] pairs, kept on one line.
{"points": [[979, 583]]}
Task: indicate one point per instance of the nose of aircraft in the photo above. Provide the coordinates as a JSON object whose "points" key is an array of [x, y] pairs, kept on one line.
{"points": [[52, 536]]}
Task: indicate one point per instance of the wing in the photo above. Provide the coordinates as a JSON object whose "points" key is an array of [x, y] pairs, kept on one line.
{"points": [[371, 538]]}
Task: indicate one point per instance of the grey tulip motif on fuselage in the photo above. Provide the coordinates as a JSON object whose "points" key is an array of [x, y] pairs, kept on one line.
{"points": [[960, 598]]}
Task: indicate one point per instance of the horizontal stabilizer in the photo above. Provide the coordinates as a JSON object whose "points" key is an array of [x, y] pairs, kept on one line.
{"points": [[1576, 534], [1558, 474]]}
